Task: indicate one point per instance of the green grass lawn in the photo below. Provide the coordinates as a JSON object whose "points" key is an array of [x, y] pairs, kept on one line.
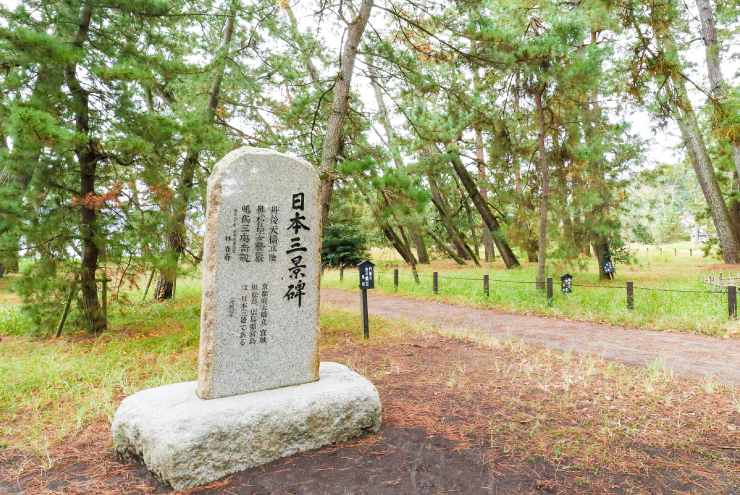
{"points": [[51, 388]]}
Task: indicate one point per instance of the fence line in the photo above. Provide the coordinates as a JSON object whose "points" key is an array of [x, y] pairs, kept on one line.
{"points": [[730, 290]]}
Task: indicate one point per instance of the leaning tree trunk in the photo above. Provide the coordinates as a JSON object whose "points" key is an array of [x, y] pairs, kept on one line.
{"points": [[485, 212], [712, 50], [176, 235], [386, 228], [444, 247], [688, 123], [332, 140], [457, 238]]}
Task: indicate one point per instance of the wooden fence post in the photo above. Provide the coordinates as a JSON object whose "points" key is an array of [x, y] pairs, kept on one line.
{"points": [[435, 283], [341, 272], [395, 278], [732, 301], [549, 291], [485, 285], [630, 296]]}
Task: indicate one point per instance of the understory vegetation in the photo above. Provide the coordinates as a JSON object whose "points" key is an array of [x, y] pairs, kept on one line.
{"points": [[518, 401], [438, 129], [668, 292]]}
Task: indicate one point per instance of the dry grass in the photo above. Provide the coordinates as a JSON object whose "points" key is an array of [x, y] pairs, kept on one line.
{"points": [[573, 412], [8, 298], [517, 402]]}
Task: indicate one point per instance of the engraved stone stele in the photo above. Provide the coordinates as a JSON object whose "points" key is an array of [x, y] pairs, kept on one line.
{"points": [[261, 393], [261, 268]]}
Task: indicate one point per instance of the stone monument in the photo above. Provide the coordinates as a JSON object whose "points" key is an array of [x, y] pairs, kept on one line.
{"points": [[261, 393]]}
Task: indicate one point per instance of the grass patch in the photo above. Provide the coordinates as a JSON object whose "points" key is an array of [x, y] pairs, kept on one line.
{"points": [[574, 412], [605, 302]]}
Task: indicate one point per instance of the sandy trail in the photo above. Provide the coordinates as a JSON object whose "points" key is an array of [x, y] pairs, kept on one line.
{"points": [[685, 353]]}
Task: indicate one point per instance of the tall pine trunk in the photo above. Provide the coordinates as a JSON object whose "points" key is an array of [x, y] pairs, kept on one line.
{"points": [[176, 234], [88, 158], [489, 252], [486, 214], [342, 82], [714, 69], [688, 123], [545, 177]]}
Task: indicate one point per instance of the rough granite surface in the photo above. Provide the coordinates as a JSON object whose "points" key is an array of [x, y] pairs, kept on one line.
{"points": [[187, 441], [261, 268]]}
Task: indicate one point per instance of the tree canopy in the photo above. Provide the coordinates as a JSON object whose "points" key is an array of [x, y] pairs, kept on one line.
{"points": [[437, 128]]}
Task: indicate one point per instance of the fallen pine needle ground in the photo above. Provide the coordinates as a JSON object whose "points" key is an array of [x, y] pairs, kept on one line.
{"points": [[460, 414]]}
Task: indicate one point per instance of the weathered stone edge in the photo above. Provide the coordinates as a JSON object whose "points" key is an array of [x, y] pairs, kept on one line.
{"points": [[347, 413]]}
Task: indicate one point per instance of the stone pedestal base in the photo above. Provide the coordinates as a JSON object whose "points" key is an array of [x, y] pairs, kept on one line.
{"points": [[187, 442]]}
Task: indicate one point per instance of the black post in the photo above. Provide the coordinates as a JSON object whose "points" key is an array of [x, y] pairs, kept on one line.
{"points": [[435, 284], [630, 296], [341, 272], [365, 318], [485, 284], [732, 300], [549, 291], [105, 297], [72, 291], [395, 278]]}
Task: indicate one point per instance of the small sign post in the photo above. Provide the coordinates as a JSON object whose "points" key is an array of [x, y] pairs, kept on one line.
{"points": [[566, 284], [609, 268], [367, 281]]}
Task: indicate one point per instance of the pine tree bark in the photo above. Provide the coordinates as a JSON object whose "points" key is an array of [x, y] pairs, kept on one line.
{"points": [[176, 233], [88, 158], [486, 214], [421, 249], [714, 69], [458, 240], [688, 123], [343, 80]]}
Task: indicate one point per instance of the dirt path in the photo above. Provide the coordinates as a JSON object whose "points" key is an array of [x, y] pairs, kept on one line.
{"points": [[685, 353]]}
